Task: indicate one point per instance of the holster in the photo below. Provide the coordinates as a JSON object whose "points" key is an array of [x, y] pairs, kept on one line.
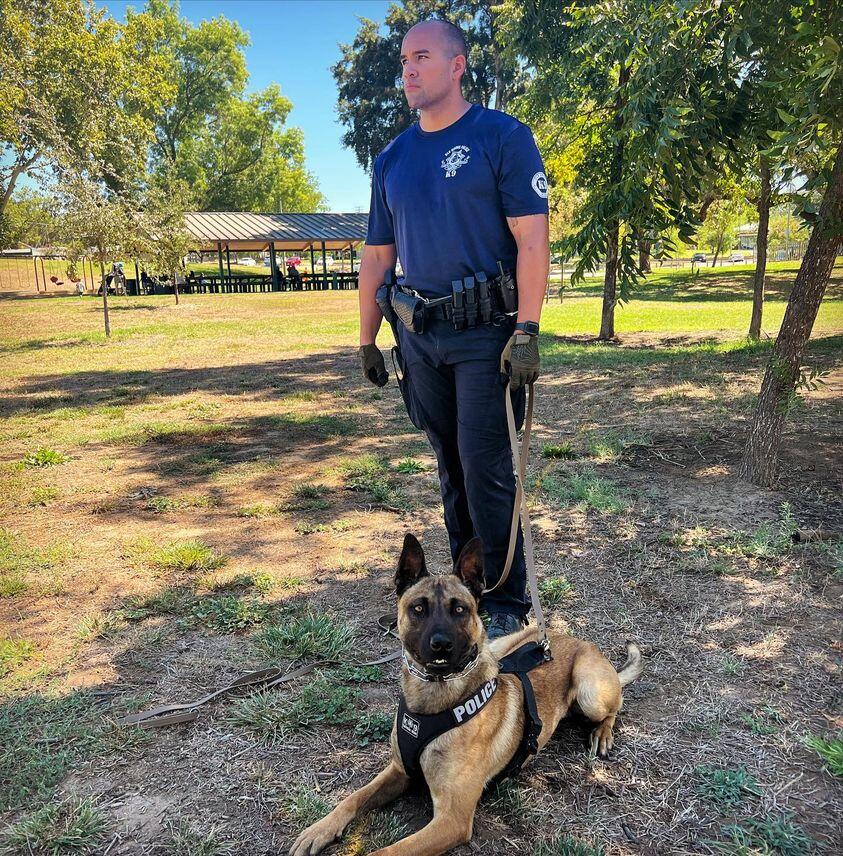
{"points": [[382, 299], [409, 307], [508, 290]]}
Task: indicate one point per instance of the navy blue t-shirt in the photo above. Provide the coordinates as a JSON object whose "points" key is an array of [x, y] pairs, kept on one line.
{"points": [[442, 197]]}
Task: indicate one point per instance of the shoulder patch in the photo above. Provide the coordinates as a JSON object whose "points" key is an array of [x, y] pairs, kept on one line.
{"points": [[539, 184]]}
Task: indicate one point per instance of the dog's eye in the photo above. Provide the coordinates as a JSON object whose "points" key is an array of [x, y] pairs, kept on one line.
{"points": [[459, 609], [418, 609]]}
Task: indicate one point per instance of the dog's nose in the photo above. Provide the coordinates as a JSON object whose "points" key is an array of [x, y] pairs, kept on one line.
{"points": [[440, 644]]}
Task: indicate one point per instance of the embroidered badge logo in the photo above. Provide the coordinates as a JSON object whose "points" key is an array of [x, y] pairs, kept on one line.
{"points": [[539, 183], [454, 159], [410, 725]]}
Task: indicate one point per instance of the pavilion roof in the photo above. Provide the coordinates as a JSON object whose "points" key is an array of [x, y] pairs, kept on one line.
{"points": [[240, 230]]}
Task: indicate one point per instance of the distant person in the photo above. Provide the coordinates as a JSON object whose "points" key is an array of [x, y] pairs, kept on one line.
{"points": [[294, 277]]}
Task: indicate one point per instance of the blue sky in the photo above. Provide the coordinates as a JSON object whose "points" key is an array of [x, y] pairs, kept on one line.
{"points": [[294, 43]]}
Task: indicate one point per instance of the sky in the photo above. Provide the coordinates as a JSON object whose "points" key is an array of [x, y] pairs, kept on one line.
{"points": [[294, 43]]}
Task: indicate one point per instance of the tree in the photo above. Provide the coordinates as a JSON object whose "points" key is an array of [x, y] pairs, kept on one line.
{"points": [[95, 221], [245, 160], [371, 103], [233, 150], [617, 77], [162, 239], [28, 219], [719, 231], [73, 80], [803, 44]]}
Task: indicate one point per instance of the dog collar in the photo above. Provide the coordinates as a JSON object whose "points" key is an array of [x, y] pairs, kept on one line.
{"points": [[423, 675]]}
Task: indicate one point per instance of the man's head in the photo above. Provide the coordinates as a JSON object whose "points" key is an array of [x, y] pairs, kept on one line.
{"points": [[433, 56], [438, 622]]}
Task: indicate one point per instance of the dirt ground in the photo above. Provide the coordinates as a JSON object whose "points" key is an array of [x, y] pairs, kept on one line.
{"points": [[740, 630]]}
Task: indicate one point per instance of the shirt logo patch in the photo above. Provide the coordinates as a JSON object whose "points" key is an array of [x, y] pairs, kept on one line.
{"points": [[539, 184], [454, 159], [410, 725]]}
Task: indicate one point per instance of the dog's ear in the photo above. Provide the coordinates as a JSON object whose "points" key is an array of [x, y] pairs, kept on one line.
{"points": [[411, 565], [469, 567]]}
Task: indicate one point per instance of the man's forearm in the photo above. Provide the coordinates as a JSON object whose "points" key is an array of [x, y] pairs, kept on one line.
{"points": [[372, 272], [531, 274], [532, 267]]}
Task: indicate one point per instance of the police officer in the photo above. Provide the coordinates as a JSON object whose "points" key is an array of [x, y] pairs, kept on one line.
{"points": [[455, 194]]}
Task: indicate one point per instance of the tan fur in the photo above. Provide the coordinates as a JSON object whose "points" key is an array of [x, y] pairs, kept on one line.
{"points": [[458, 765]]}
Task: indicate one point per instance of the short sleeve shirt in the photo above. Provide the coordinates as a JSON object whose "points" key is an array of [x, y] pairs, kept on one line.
{"points": [[442, 197]]}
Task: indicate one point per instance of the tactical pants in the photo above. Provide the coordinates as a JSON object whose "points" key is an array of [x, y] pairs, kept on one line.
{"points": [[453, 391]]}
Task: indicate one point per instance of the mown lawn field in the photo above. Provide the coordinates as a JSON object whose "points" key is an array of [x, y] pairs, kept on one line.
{"points": [[216, 489]]}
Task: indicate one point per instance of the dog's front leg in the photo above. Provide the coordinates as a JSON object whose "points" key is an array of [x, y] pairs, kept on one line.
{"points": [[454, 804], [384, 788]]}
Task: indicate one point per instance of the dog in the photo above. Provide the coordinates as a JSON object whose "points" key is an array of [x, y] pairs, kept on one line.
{"points": [[450, 664]]}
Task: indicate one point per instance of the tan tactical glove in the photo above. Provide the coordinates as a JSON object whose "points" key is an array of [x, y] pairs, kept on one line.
{"points": [[520, 359]]}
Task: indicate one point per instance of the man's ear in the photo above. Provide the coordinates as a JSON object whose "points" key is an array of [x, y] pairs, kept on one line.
{"points": [[469, 567], [411, 565]]}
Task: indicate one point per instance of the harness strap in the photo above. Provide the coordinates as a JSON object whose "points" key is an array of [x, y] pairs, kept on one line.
{"points": [[415, 730]]}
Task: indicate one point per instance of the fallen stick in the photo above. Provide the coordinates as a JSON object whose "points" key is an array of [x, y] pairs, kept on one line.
{"points": [[803, 536]]}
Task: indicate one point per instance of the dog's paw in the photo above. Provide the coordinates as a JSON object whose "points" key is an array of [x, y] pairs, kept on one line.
{"points": [[316, 838], [602, 741]]}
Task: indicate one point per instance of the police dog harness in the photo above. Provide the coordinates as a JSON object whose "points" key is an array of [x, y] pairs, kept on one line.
{"points": [[416, 730]]}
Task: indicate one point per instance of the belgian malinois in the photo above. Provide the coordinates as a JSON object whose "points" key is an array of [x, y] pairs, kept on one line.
{"points": [[441, 632]]}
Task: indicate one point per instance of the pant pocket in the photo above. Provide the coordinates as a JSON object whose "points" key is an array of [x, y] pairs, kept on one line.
{"points": [[406, 388]]}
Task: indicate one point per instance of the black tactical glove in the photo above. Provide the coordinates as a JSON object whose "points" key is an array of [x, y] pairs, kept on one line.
{"points": [[520, 359], [374, 369]]}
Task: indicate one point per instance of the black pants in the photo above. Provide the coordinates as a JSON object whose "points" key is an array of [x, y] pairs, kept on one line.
{"points": [[454, 393]]}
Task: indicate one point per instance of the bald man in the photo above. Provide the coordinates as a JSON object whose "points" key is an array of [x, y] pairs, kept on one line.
{"points": [[460, 198]]}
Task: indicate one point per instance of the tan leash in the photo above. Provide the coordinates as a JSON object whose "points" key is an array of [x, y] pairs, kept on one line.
{"points": [[175, 714]]}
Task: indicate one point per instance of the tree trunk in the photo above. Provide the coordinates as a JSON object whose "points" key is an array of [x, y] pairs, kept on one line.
{"points": [[176, 288], [610, 280], [105, 300], [644, 247], [610, 284], [717, 253], [761, 250], [760, 460]]}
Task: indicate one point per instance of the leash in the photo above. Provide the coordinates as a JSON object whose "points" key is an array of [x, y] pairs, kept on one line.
{"points": [[519, 507], [175, 714]]}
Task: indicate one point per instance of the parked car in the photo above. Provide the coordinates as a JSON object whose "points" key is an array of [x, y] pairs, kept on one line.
{"points": [[737, 258], [247, 262], [699, 257]]}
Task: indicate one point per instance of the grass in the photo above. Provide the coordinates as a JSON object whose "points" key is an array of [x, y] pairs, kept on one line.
{"points": [[728, 788], [584, 489], [610, 445], [13, 652], [44, 457], [309, 497], [376, 830], [43, 496], [228, 614], [831, 751], [311, 635], [103, 625], [182, 557], [567, 845], [302, 806], [409, 466], [20, 565], [564, 451], [370, 474], [260, 510], [319, 703], [186, 841], [59, 827], [555, 590], [165, 504], [43, 737], [373, 728], [775, 835]]}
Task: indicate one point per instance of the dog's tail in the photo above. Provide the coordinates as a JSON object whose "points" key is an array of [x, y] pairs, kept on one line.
{"points": [[633, 666]]}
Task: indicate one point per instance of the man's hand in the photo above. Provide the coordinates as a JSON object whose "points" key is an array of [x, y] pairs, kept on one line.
{"points": [[374, 369], [520, 359]]}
